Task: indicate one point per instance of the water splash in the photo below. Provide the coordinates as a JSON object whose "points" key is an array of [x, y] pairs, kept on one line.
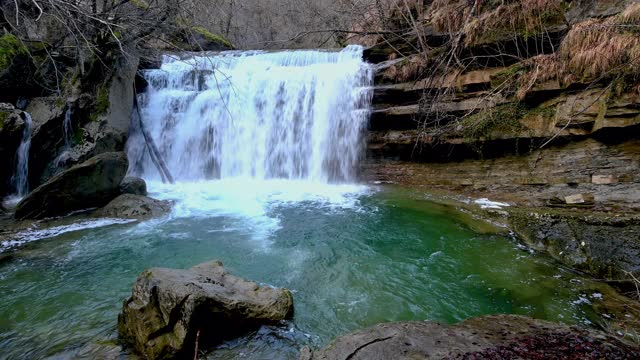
{"points": [[20, 179], [261, 115]]}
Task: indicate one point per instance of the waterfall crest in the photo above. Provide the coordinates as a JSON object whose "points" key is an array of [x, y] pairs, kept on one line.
{"points": [[261, 115]]}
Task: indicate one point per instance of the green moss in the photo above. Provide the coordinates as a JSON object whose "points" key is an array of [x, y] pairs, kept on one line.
{"points": [[545, 112], [10, 47], [212, 37], [102, 103], [3, 118], [505, 118], [107, 342], [78, 136], [140, 4]]}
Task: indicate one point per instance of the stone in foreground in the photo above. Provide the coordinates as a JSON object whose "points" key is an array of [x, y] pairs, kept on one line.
{"points": [[91, 184], [169, 310], [486, 337], [128, 206]]}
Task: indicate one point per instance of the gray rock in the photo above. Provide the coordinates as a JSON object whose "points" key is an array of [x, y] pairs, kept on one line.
{"points": [[11, 131], [91, 184], [486, 337], [47, 138], [130, 206], [133, 185], [169, 309], [604, 245], [93, 131]]}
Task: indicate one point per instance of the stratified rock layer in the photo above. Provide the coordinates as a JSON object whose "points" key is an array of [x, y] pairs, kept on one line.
{"points": [[170, 310], [91, 184], [486, 337]]}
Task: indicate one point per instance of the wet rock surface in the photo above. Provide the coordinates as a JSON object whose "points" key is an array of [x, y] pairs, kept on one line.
{"points": [[91, 184], [170, 310], [133, 185], [130, 206], [486, 337], [12, 126], [602, 244]]}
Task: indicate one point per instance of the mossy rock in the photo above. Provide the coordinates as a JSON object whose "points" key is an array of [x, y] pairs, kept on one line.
{"points": [[10, 47], [210, 41], [101, 103], [503, 118], [3, 116]]}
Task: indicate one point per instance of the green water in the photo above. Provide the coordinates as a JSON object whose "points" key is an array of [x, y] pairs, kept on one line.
{"points": [[390, 256]]}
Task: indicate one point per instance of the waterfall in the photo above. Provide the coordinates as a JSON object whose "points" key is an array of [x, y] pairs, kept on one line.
{"points": [[66, 135], [20, 179], [66, 128], [254, 114]]}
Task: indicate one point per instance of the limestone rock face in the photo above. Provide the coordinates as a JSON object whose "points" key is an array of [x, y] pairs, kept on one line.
{"points": [[169, 309], [11, 131], [133, 185], [130, 206], [486, 337], [602, 244], [91, 184], [92, 128]]}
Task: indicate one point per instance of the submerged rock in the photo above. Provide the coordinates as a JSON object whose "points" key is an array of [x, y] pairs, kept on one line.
{"points": [[605, 245], [91, 184], [133, 185], [170, 310], [129, 206], [486, 337]]}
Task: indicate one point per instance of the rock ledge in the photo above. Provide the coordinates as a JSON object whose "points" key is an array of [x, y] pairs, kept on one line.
{"points": [[485, 337]]}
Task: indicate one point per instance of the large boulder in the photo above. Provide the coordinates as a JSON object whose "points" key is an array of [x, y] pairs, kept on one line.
{"points": [[91, 184], [130, 206], [170, 310], [486, 337]]}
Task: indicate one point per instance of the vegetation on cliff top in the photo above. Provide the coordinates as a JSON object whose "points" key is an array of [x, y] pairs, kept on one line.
{"points": [[541, 45]]}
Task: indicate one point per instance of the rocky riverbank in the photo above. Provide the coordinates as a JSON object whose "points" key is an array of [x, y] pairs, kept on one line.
{"points": [[512, 114], [487, 337]]}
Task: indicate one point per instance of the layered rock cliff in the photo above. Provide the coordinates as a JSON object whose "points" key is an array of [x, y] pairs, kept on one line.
{"points": [[526, 102]]}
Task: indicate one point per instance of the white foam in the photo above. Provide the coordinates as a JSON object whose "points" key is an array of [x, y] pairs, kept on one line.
{"points": [[488, 204], [253, 200], [34, 233]]}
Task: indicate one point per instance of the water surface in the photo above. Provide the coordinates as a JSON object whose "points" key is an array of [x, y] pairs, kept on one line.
{"points": [[353, 256]]}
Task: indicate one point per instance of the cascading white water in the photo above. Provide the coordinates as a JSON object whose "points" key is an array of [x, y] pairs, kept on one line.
{"points": [[66, 135], [20, 178], [260, 115]]}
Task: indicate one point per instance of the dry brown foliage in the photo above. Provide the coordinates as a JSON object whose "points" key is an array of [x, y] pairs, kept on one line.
{"points": [[410, 69], [449, 16], [520, 17], [601, 48], [630, 15], [386, 15], [540, 69]]}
